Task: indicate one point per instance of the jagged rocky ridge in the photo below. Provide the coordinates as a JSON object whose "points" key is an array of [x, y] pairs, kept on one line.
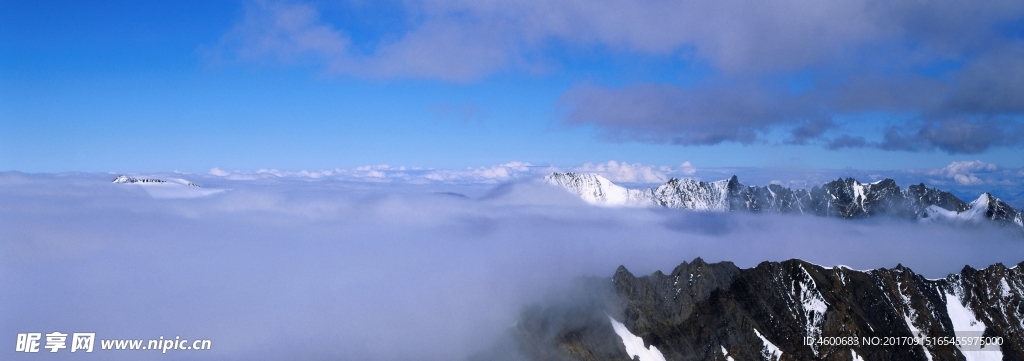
{"points": [[843, 198], [704, 311], [131, 180]]}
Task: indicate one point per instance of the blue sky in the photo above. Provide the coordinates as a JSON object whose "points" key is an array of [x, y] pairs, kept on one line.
{"points": [[191, 85]]}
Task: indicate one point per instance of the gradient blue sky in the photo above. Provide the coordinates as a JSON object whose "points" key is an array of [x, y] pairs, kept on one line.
{"points": [[131, 86]]}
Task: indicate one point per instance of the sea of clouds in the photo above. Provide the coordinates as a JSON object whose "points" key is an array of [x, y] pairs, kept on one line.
{"points": [[285, 268]]}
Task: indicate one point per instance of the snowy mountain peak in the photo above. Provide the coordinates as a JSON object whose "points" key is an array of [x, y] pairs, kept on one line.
{"points": [[596, 189], [983, 200], [131, 180], [166, 188], [127, 179]]}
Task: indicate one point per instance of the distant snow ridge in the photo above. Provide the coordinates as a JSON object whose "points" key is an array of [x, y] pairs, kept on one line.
{"points": [[692, 194], [842, 198], [676, 193], [167, 188], [130, 180]]}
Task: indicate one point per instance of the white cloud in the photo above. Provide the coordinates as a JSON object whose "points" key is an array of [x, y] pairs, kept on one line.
{"points": [[636, 172], [613, 170], [967, 179], [380, 171], [492, 174], [386, 173], [963, 172], [625, 172], [687, 168], [969, 166]]}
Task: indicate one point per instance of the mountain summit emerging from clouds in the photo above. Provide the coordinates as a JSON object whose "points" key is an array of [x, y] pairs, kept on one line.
{"points": [[842, 198], [132, 180]]}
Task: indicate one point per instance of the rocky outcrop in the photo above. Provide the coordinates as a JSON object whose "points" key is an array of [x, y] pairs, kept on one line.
{"points": [[775, 310]]}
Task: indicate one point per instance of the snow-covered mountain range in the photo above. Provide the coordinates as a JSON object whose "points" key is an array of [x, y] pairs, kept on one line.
{"points": [[843, 198], [791, 310]]}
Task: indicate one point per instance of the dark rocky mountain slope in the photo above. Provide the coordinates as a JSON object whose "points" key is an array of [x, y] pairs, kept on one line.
{"points": [[704, 311]]}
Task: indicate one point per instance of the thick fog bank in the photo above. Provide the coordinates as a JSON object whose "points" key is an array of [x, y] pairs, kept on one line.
{"points": [[332, 270]]}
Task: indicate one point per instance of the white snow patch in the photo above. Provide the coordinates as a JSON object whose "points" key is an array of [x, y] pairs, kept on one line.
{"points": [[1004, 288], [910, 315], [843, 266], [769, 351], [635, 345], [963, 319], [856, 357], [859, 194], [725, 354], [927, 354], [974, 214], [813, 305]]}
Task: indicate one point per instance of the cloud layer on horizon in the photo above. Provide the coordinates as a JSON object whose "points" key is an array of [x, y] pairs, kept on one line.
{"points": [[968, 176], [623, 172]]}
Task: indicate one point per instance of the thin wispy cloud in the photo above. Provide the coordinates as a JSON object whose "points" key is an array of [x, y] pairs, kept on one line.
{"points": [[515, 170], [401, 174]]}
